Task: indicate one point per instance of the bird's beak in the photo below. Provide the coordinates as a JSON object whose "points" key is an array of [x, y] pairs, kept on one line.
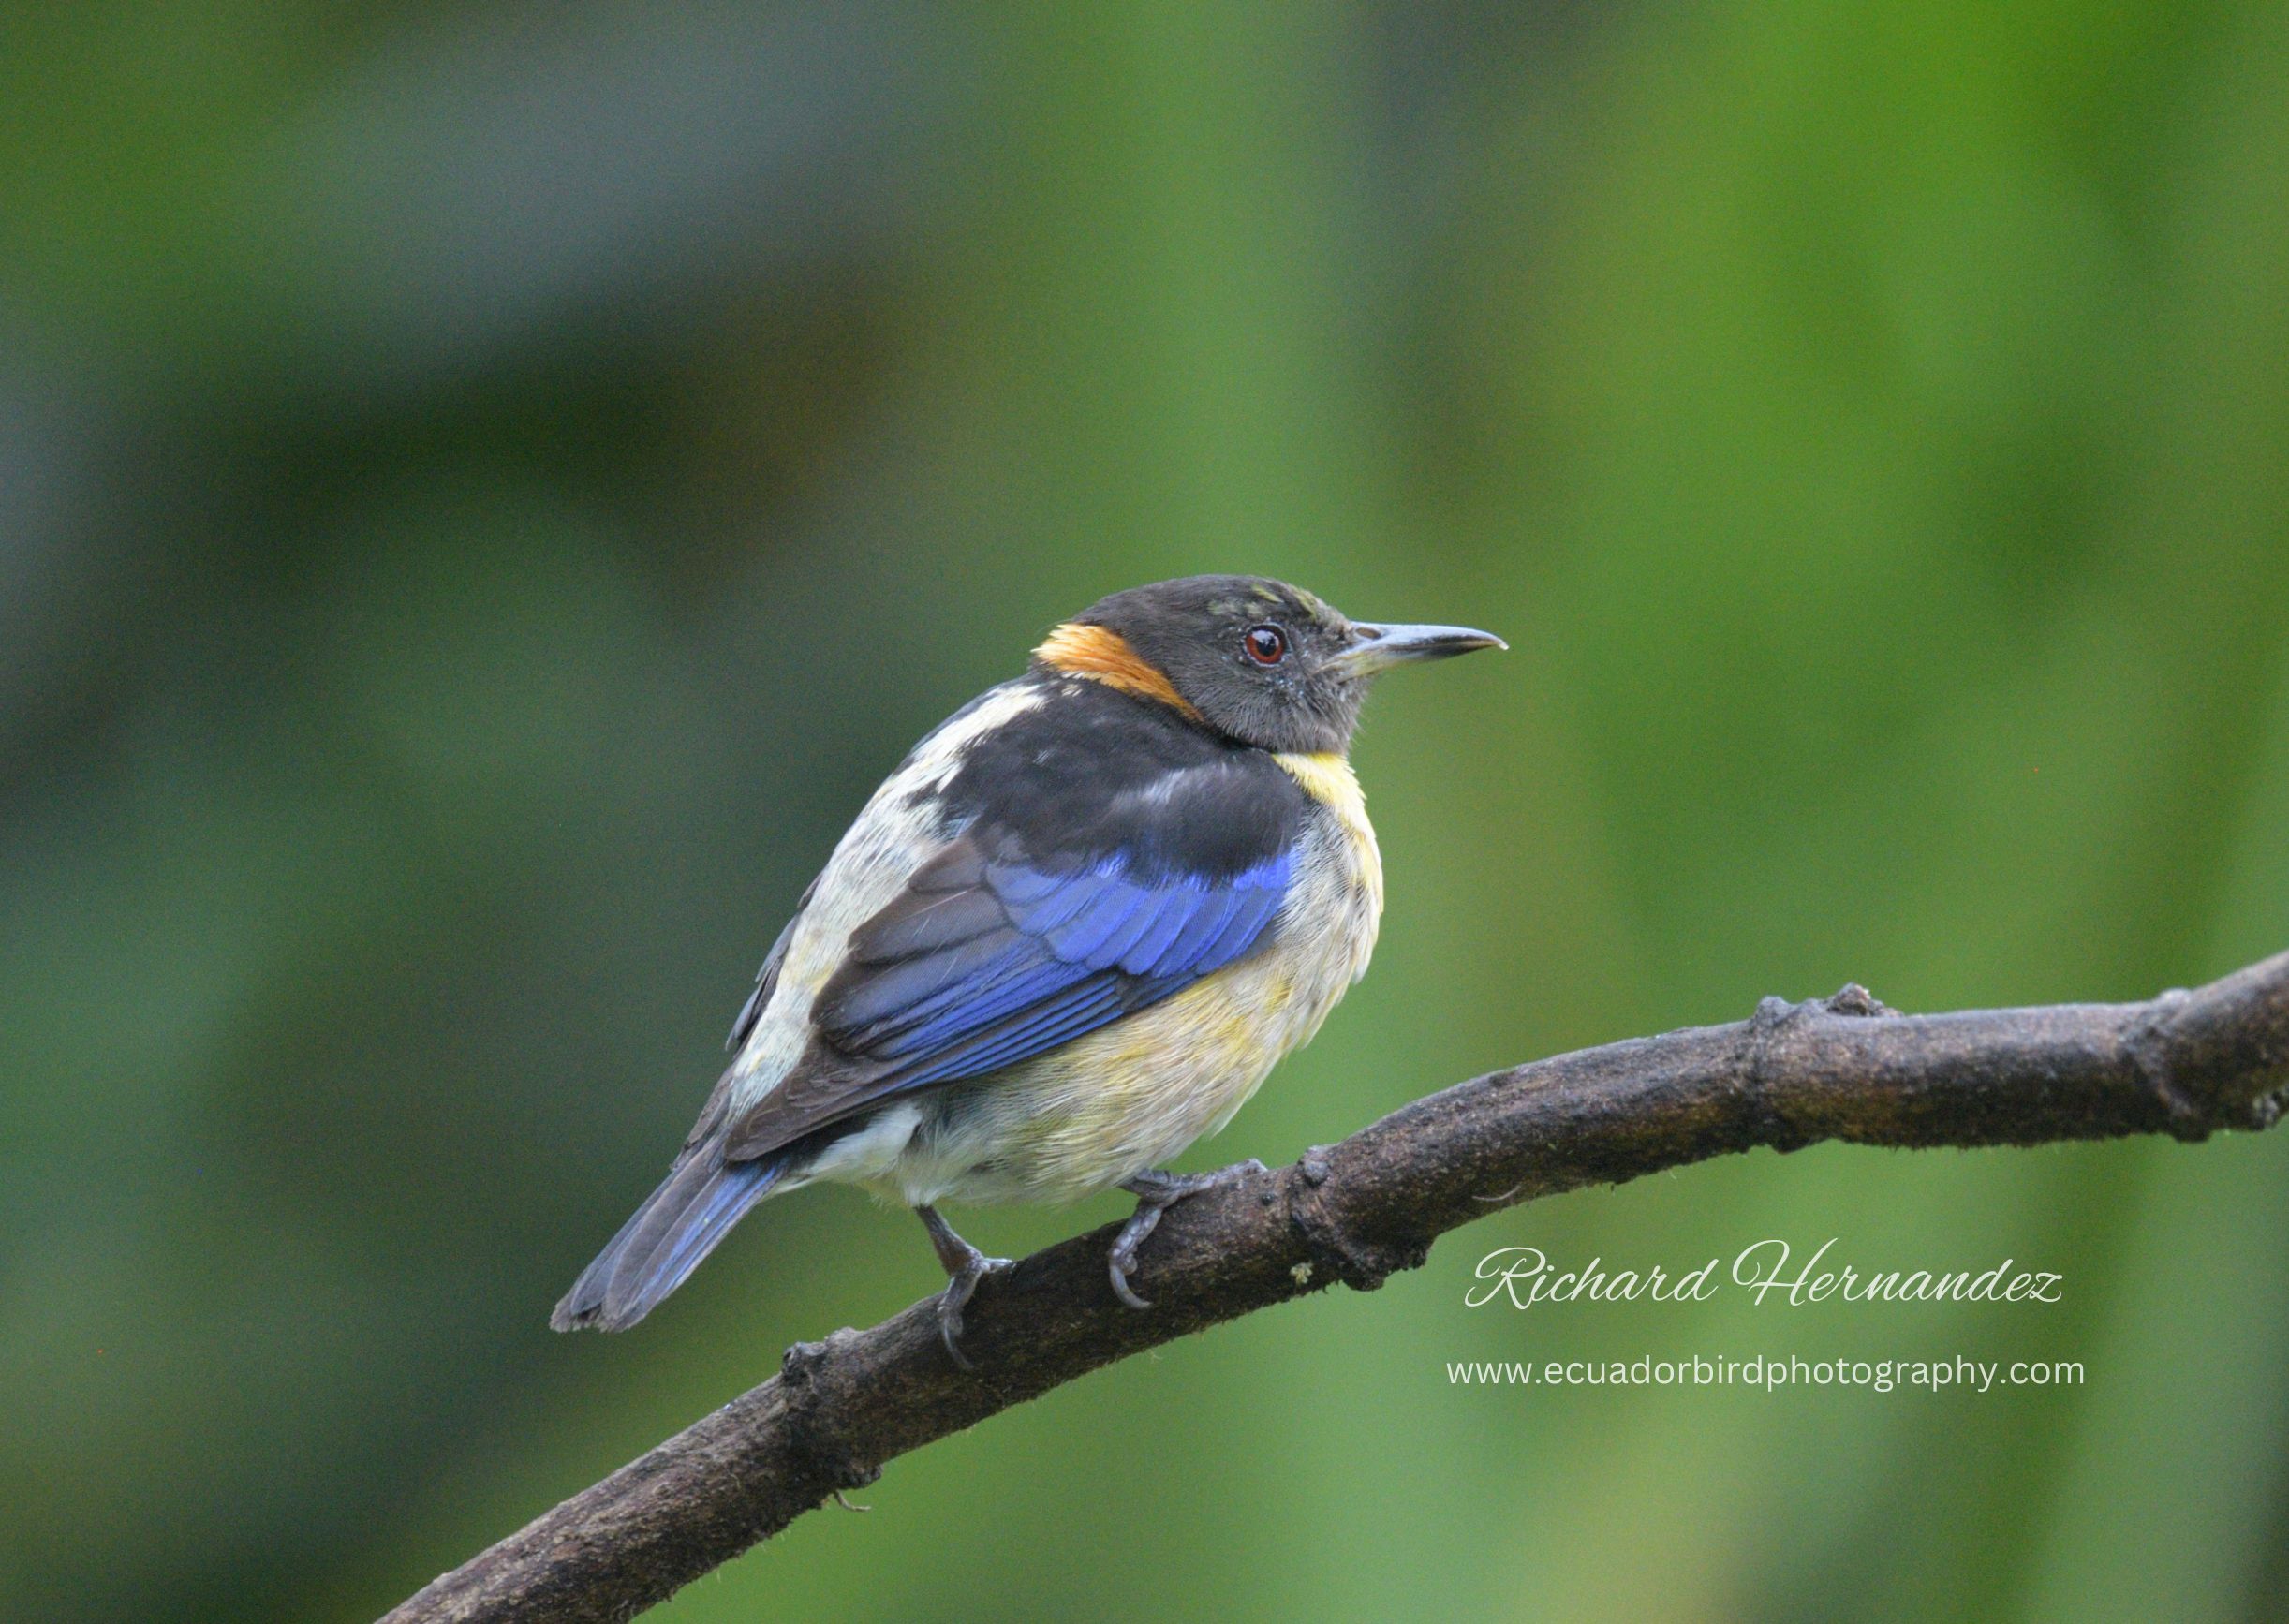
{"points": [[1380, 647]]}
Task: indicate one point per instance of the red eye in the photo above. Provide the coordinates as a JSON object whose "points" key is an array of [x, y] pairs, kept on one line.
{"points": [[1266, 644]]}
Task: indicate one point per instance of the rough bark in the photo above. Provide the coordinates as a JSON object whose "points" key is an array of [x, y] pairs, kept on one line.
{"points": [[1842, 1068]]}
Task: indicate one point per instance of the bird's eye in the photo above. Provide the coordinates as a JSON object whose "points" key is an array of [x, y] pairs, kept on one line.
{"points": [[1266, 644]]}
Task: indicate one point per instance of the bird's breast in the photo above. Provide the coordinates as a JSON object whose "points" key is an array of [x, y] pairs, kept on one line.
{"points": [[1137, 1093], [1351, 863]]}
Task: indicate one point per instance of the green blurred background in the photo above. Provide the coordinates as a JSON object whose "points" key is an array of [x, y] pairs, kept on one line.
{"points": [[487, 493]]}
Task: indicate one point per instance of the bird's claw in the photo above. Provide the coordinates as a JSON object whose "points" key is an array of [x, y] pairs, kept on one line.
{"points": [[1124, 1258], [955, 1297], [965, 1266], [1155, 1192]]}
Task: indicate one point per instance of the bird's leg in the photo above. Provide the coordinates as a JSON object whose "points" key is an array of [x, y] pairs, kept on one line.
{"points": [[1155, 1192], [965, 1266]]}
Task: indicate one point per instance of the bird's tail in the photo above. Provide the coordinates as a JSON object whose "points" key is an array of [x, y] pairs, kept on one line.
{"points": [[656, 1250]]}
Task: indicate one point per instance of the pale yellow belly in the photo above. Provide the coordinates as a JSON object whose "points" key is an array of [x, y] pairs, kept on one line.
{"points": [[1136, 1094]]}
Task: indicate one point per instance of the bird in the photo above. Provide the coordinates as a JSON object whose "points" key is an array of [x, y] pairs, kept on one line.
{"points": [[1066, 938]]}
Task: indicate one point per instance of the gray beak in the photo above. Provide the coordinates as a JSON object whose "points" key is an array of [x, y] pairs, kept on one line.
{"points": [[1380, 647]]}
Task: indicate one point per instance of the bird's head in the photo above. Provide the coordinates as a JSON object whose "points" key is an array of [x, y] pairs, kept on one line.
{"points": [[1256, 659]]}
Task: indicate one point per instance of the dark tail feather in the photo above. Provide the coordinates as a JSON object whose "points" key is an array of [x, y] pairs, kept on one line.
{"points": [[656, 1250]]}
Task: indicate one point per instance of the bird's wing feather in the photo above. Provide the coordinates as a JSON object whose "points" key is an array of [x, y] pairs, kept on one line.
{"points": [[767, 977], [983, 959], [995, 953]]}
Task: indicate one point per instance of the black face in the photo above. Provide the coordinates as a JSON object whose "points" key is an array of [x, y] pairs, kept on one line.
{"points": [[1267, 663]]}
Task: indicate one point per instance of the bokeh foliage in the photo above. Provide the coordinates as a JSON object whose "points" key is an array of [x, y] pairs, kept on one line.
{"points": [[488, 492]]}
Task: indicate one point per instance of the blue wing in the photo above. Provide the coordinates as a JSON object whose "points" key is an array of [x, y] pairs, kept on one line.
{"points": [[1078, 885], [992, 962], [983, 963]]}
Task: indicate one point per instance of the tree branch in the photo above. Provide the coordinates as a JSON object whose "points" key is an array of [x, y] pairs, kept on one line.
{"points": [[1791, 1076]]}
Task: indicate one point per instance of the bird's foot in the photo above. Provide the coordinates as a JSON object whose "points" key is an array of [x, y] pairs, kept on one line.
{"points": [[1155, 1192], [965, 1266]]}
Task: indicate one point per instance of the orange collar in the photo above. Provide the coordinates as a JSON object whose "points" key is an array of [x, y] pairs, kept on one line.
{"points": [[1092, 651]]}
